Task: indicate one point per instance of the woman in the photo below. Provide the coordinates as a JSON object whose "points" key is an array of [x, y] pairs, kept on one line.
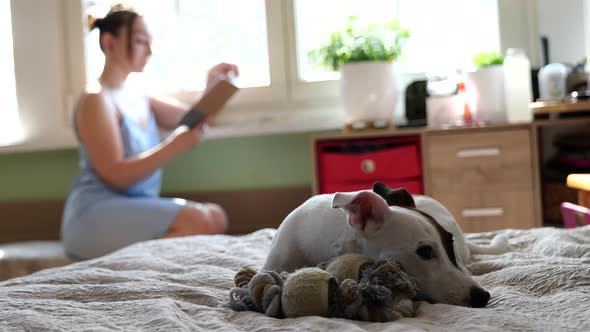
{"points": [[115, 200]]}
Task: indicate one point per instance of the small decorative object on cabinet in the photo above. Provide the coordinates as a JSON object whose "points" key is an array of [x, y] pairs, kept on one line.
{"points": [[484, 88], [517, 86]]}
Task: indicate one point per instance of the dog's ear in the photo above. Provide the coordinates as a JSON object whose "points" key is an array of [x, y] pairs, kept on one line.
{"points": [[400, 197], [366, 210], [394, 197]]}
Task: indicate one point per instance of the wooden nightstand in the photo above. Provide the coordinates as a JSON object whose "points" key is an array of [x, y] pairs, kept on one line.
{"points": [[487, 177], [484, 176]]}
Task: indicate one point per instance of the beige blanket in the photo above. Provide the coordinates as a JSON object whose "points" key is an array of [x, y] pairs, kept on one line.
{"points": [[542, 284]]}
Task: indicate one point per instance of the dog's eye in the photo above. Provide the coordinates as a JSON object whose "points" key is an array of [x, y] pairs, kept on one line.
{"points": [[425, 251]]}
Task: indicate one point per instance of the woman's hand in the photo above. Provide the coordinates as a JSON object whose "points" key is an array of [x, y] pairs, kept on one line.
{"points": [[185, 139], [221, 71]]}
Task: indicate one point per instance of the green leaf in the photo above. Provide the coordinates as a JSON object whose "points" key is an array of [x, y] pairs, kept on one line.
{"points": [[484, 59], [353, 43]]}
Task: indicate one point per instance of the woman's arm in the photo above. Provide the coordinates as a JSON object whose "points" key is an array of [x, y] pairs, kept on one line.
{"points": [[98, 129], [169, 112]]}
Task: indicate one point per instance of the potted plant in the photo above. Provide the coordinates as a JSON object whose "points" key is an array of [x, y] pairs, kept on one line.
{"points": [[484, 88], [364, 54]]}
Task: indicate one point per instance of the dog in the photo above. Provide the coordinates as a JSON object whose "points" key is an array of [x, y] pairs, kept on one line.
{"points": [[416, 232]]}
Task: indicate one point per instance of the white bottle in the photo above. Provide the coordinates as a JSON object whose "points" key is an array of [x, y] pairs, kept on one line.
{"points": [[552, 82], [517, 86]]}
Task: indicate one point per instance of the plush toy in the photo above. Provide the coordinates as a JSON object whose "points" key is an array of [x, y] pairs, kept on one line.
{"points": [[401, 288], [256, 291], [349, 266], [351, 286]]}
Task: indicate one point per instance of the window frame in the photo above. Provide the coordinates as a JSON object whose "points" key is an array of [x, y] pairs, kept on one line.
{"points": [[58, 28], [508, 22], [287, 93], [301, 90], [75, 33], [275, 92], [13, 124]]}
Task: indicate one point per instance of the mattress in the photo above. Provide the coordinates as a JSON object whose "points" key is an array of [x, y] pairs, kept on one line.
{"points": [[182, 284]]}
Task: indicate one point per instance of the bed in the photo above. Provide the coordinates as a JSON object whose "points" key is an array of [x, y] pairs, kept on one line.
{"points": [[542, 284]]}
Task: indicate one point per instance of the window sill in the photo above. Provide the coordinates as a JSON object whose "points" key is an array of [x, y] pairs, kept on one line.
{"points": [[232, 123], [276, 122], [66, 140]]}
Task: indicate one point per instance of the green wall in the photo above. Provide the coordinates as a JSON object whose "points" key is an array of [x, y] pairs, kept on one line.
{"points": [[218, 164]]}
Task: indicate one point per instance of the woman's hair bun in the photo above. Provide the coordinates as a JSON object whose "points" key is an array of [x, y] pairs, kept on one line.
{"points": [[117, 14], [93, 22]]}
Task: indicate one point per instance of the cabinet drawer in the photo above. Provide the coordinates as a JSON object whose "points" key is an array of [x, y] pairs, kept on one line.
{"points": [[369, 160], [413, 186], [486, 160], [484, 211]]}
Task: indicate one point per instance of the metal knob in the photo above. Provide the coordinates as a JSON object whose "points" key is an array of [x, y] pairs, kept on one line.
{"points": [[368, 166]]}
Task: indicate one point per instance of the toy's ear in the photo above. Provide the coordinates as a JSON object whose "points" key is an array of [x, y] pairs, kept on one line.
{"points": [[394, 197], [366, 210]]}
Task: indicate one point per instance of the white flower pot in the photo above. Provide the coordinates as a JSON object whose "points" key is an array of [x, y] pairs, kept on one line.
{"points": [[484, 90], [368, 91]]}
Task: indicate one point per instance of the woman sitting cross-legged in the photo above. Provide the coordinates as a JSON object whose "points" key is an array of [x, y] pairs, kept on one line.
{"points": [[115, 200]]}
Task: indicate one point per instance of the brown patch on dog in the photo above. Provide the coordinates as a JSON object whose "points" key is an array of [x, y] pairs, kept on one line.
{"points": [[445, 237], [399, 197]]}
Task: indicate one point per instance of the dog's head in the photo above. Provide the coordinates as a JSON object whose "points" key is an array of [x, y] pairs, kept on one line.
{"points": [[392, 228]]}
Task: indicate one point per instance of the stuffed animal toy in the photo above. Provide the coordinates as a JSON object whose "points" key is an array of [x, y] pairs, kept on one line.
{"points": [[351, 286], [349, 266]]}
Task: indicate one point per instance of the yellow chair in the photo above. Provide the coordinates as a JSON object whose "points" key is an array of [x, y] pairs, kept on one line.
{"points": [[581, 182]]}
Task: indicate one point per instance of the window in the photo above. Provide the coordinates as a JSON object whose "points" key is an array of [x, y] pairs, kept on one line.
{"points": [[192, 35], [313, 26], [444, 34], [270, 40], [10, 129], [53, 61]]}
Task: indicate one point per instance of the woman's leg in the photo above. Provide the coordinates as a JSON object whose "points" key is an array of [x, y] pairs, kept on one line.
{"points": [[114, 223], [198, 218]]}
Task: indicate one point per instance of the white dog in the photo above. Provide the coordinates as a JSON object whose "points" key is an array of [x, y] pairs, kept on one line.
{"points": [[417, 232]]}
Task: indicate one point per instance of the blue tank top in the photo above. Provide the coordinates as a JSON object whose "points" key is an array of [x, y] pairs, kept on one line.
{"points": [[88, 187]]}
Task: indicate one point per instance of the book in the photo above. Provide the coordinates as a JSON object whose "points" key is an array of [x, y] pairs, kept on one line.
{"points": [[211, 103]]}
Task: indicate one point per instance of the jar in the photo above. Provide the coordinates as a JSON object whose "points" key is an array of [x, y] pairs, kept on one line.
{"points": [[517, 86]]}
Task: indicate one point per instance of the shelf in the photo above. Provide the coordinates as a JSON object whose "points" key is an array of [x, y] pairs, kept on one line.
{"points": [[549, 108]]}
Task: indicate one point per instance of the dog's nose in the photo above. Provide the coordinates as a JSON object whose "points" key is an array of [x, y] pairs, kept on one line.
{"points": [[479, 297]]}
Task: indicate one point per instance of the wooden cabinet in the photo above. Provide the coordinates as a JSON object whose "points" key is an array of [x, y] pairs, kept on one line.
{"points": [[551, 135], [486, 177]]}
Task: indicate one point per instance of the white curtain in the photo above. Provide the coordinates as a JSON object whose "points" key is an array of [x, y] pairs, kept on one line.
{"points": [[10, 127]]}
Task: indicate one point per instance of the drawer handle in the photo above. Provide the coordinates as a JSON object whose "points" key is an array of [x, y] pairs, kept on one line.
{"points": [[483, 152], [485, 212], [368, 166]]}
